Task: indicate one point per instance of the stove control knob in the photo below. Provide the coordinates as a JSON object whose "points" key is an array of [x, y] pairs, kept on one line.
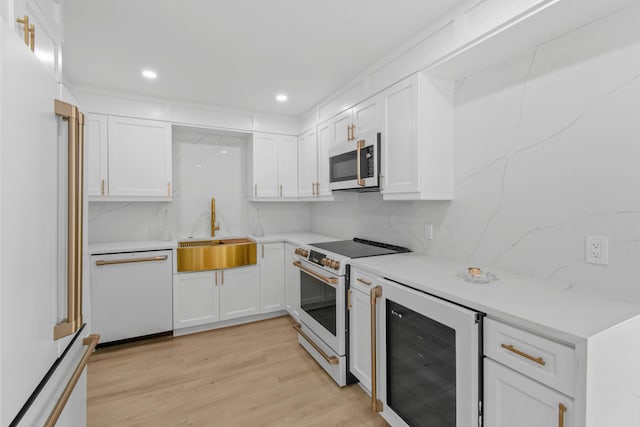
{"points": [[336, 265], [298, 251], [325, 262], [305, 253]]}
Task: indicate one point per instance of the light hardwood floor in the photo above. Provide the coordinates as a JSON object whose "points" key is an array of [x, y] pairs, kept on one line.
{"points": [[248, 375]]}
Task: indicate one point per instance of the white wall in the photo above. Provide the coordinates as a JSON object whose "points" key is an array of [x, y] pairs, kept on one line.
{"points": [[547, 150], [205, 164]]}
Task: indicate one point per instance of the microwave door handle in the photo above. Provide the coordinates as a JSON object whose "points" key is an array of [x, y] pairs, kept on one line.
{"points": [[359, 148]]}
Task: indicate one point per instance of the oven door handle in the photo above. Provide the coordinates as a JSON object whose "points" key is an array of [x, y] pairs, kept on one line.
{"points": [[359, 148], [331, 360], [322, 278]]}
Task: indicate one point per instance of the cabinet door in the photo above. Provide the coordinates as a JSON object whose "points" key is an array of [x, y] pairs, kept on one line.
{"points": [[265, 165], [288, 166], [272, 277], [324, 141], [512, 399], [195, 299], [292, 283], [139, 157], [400, 138], [307, 164], [239, 292], [360, 337], [366, 118], [97, 154], [340, 128]]}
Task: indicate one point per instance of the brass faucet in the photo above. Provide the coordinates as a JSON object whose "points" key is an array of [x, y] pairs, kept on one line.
{"points": [[214, 226]]}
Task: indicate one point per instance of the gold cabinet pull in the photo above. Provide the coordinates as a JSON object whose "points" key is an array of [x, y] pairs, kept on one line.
{"points": [[561, 410], [331, 360], [168, 188], [364, 282], [130, 260], [222, 277], [26, 28], [353, 132], [511, 348], [262, 251], [349, 300], [255, 190], [325, 279], [216, 274], [102, 187], [376, 405], [32, 37], [313, 188], [280, 190]]}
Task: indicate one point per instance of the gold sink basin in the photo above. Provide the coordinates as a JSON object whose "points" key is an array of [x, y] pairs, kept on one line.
{"points": [[202, 255]]}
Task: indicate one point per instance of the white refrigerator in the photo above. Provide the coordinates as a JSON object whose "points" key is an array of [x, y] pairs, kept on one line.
{"points": [[36, 296]]}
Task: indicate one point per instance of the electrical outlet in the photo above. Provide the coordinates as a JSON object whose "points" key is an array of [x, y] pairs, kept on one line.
{"points": [[428, 231], [597, 250]]}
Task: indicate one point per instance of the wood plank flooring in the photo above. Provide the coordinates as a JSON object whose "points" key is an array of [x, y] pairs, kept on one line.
{"points": [[248, 375]]}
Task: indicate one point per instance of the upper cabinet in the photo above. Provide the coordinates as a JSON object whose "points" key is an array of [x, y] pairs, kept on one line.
{"points": [[355, 123], [274, 166], [39, 23], [128, 159], [417, 140], [308, 164]]}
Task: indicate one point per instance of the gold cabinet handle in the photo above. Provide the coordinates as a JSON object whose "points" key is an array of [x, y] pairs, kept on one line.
{"points": [[511, 348], [325, 279], [376, 405], [168, 188], [280, 190], [262, 251], [364, 282], [216, 275], [102, 187], [561, 410], [255, 190], [222, 277], [130, 260], [32, 38], [359, 172], [26, 28], [331, 360], [353, 132]]}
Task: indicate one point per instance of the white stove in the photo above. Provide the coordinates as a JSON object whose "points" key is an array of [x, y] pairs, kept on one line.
{"points": [[324, 282]]}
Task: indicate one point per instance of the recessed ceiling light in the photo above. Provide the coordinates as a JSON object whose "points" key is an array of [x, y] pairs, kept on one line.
{"points": [[149, 74], [281, 97]]}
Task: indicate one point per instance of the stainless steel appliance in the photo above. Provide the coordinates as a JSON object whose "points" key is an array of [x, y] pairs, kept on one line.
{"points": [[356, 167], [428, 359], [324, 282]]}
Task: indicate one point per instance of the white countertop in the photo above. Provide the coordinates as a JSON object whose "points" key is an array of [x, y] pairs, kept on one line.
{"points": [[297, 238], [567, 312]]}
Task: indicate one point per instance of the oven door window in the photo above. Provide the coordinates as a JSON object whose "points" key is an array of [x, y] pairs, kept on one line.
{"points": [[421, 368], [318, 300]]}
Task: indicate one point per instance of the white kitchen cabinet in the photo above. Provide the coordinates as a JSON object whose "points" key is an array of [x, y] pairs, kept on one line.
{"points": [[97, 154], [292, 283], [211, 296], [272, 291], [45, 21], [417, 140], [195, 299], [139, 157], [307, 164], [360, 336], [512, 399], [363, 119], [324, 141], [274, 166], [239, 292]]}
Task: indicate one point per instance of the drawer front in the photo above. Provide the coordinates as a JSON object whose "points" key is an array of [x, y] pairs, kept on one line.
{"points": [[544, 360], [363, 281]]}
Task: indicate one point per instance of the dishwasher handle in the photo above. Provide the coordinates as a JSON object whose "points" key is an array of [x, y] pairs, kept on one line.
{"points": [[129, 260]]}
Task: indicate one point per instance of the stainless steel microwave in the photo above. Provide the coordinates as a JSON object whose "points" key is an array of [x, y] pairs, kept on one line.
{"points": [[356, 166]]}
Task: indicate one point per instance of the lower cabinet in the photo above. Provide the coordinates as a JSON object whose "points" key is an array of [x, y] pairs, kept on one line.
{"points": [[211, 296], [272, 277], [360, 336], [291, 282], [512, 399]]}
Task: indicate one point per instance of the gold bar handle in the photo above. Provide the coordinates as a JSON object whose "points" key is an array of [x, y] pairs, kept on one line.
{"points": [[25, 24], [130, 260], [168, 188], [325, 279], [222, 277], [364, 282], [91, 341], [353, 131], [313, 188], [376, 405], [102, 187], [511, 348], [255, 190], [216, 274], [359, 147], [262, 251], [331, 360], [280, 190], [561, 410], [32, 37]]}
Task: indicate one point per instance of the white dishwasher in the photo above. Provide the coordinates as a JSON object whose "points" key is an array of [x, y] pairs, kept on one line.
{"points": [[131, 294]]}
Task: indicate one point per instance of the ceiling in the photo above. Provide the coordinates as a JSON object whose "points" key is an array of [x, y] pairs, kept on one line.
{"points": [[236, 54]]}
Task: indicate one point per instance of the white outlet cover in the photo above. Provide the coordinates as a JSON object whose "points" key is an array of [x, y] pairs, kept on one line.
{"points": [[597, 250]]}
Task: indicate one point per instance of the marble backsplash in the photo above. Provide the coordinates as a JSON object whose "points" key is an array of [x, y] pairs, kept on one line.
{"points": [[547, 151], [205, 164]]}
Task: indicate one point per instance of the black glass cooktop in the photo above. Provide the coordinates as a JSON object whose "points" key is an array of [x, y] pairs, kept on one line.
{"points": [[360, 248]]}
